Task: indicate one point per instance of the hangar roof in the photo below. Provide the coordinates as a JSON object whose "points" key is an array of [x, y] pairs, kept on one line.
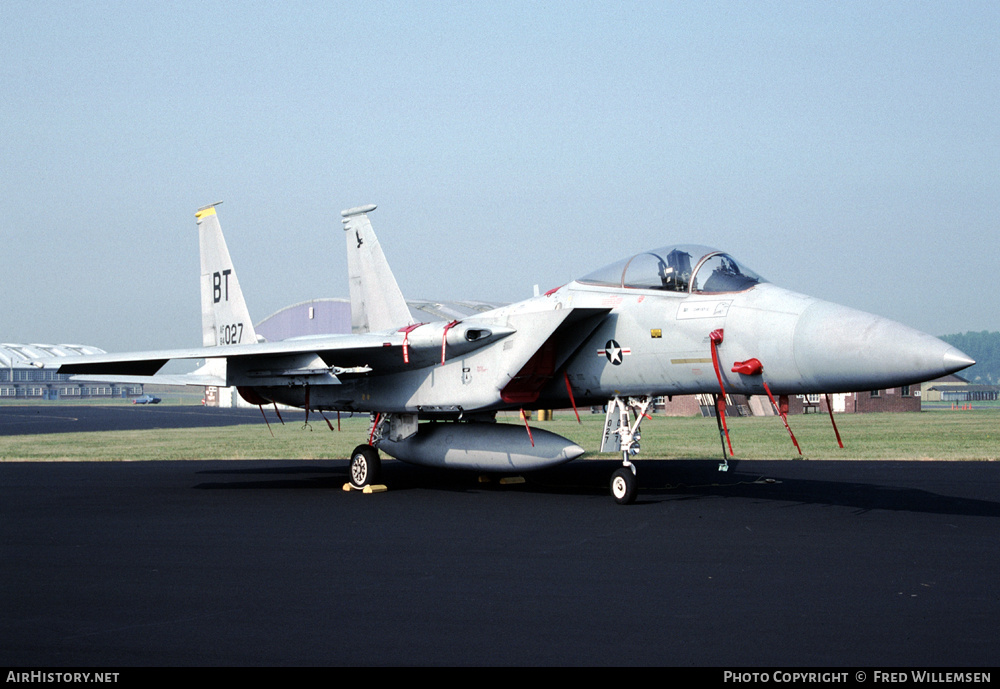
{"points": [[21, 355]]}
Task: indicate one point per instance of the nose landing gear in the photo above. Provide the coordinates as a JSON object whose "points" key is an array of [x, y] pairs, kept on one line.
{"points": [[624, 485], [622, 434]]}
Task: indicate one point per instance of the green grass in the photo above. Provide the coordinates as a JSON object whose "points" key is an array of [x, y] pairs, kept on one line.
{"points": [[167, 398], [968, 435], [291, 441], [960, 435]]}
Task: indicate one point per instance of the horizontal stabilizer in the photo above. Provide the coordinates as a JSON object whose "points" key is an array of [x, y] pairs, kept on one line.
{"points": [[127, 367], [159, 379]]}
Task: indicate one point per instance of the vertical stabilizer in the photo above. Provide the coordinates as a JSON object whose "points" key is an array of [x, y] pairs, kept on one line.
{"points": [[376, 302], [224, 316]]}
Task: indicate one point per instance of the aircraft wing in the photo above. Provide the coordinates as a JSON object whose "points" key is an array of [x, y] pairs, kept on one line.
{"points": [[272, 363], [147, 363]]}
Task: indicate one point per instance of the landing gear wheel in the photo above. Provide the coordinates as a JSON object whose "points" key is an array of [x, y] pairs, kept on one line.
{"points": [[364, 467], [624, 486]]}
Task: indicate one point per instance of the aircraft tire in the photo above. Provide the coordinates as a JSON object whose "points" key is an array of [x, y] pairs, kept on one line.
{"points": [[624, 486], [364, 467]]}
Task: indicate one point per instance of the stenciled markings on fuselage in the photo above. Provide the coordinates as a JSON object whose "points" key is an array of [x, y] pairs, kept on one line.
{"points": [[703, 309], [231, 334]]}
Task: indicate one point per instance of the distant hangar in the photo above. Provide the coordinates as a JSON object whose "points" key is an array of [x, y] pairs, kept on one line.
{"points": [[20, 380]]}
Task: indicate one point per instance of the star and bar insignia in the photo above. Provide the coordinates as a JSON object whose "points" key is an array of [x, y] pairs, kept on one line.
{"points": [[614, 351]]}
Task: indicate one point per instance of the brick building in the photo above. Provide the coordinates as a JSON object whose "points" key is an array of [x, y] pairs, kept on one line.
{"points": [[906, 398]]}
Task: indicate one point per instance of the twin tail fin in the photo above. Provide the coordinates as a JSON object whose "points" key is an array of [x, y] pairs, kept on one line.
{"points": [[225, 319], [376, 303]]}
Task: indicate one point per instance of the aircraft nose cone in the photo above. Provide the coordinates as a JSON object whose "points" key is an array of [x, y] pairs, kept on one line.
{"points": [[839, 349], [955, 360]]}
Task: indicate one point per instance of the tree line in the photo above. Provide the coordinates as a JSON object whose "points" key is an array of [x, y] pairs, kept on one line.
{"points": [[984, 347]]}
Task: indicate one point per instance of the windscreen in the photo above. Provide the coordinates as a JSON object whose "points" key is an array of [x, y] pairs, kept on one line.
{"points": [[682, 268]]}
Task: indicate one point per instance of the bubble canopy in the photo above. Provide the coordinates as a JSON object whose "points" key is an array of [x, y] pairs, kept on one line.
{"points": [[686, 268]]}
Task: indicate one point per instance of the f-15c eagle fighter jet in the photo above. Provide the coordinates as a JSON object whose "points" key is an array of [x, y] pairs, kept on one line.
{"points": [[678, 320]]}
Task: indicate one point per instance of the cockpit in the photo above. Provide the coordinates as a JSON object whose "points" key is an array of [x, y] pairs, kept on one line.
{"points": [[684, 268]]}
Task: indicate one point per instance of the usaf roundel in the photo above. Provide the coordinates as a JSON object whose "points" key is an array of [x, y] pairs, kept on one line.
{"points": [[614, 351]]}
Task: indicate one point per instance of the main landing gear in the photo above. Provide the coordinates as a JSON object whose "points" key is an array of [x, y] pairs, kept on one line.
{"points": [[622, 434], [365, 466]]}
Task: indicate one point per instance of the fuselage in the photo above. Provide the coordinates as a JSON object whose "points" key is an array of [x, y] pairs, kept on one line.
{"points": [[645, 341], [660, 343]]}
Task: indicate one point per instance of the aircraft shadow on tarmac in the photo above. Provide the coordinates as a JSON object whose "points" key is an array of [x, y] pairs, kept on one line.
{"points": [[661, 481]]}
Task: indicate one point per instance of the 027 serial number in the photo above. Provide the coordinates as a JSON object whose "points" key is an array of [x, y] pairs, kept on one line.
{"points": [[231, 334]]}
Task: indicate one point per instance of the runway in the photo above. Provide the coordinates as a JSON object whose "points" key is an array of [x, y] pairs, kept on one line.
{"points": [[30, 419], [782, 563]]}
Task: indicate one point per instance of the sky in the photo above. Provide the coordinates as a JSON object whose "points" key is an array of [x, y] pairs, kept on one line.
{"points": [[847, 150]]}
